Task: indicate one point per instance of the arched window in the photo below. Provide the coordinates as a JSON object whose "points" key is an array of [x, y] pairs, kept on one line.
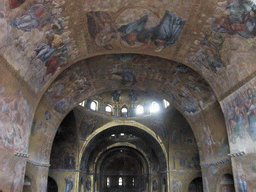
{"points": [[52, 185], [166, 103], [108, 182], [93, 106], [27, 184], [139, 110], [120, 181], [196, 185], [124, 112], [226, 183], [108, 109], [82, 103], [154, 107]]}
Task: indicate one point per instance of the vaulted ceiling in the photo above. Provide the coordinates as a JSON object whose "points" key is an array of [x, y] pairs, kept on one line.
{"points": [[199, 55]]}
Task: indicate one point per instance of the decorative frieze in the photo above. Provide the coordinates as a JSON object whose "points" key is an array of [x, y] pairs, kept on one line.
{"points": [[216, 163]]}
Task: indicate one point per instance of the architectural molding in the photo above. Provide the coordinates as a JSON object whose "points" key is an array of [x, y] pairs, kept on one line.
{"points": [[38, 164], [215, 163], [64, 170], [237, 154], [23, 155], [180, 171], [237, 86]]}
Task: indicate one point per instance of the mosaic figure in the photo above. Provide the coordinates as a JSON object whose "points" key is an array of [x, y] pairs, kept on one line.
{"points": [[69, 183]]}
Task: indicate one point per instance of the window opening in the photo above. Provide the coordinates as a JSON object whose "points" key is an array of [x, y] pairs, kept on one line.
{"points": [[154, 107], [82, 103], [93, 106], [120, 181], [124, 112], [166, 103], [108, 182], [139, 110], [108, 108]]}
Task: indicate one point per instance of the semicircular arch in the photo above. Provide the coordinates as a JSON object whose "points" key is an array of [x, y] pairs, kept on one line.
{"points": [[125, 123]]}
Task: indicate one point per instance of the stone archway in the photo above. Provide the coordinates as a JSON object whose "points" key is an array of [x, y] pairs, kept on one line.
{"points": [[52, 185], [130, 159], [196, 185], [122, 168], [226, 183]]}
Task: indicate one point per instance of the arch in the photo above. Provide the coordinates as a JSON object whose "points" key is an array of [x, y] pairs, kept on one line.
{"points": [[152, 146], [86, 96], [94, 55], [139, 110], [154, 107], [226, 183], [108, 108], [52, 185], [113, 87], [124, 111], [125, 144], [126, 123], [109, 167], [94, 105], [27, 184], [196, 185], [91, 159], [166, 103], [141, 153], [102, 88]]}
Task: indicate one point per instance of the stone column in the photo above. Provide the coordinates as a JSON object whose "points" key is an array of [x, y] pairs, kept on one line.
{"points": [[38, 174]]}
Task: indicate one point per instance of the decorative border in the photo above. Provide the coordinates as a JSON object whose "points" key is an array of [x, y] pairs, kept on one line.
{"points": [[23, 155], [237, 154], [216, 163]]}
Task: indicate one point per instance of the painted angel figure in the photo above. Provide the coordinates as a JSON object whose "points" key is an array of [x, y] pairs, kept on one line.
{"points": [[31, 19], [164, 35]]}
